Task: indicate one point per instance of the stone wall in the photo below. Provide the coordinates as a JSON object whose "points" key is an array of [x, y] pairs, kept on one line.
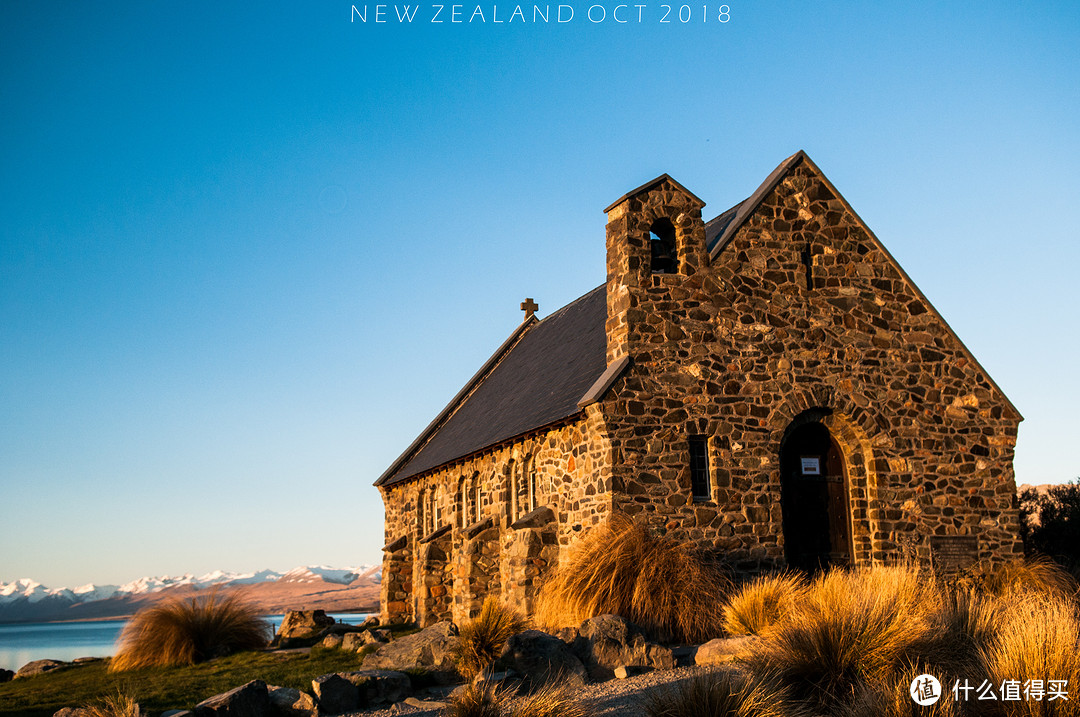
{"points": [[504, 547], [736, 350]]}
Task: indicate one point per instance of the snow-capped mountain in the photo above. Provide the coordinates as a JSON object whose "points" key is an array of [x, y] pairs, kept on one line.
{"points": [[27, 599]]}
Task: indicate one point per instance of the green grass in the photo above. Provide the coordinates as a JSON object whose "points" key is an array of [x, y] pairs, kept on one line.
{"points": [[163, 688]]}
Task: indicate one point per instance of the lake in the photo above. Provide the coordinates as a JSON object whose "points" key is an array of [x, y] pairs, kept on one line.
{"points": [[25, 642]]}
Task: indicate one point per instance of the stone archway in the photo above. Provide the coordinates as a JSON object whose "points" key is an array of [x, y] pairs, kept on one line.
{"points": [[814, 488]]}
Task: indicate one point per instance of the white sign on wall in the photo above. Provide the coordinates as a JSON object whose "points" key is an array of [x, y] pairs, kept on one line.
{"points": [[811, 466]]}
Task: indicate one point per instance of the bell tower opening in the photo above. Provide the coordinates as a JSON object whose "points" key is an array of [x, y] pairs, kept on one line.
{"points": [[665, 259]]}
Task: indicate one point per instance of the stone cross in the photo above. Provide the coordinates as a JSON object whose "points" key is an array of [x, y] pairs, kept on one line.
{"points": [[530, 307]]}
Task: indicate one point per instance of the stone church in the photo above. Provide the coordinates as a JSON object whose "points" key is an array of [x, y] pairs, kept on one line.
{"points": [[769, 385]]}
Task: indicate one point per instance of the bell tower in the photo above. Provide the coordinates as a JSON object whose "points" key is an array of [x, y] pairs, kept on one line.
{"points": [[655, 241]]}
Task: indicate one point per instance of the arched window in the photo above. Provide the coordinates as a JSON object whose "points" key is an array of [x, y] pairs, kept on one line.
{"points": [[436, 510], [462, 503], [513, 482], [477, 496], [665, 259], [421, 513], [533, 484]]}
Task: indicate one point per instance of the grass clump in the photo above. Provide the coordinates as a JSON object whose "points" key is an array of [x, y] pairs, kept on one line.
{"points": [[486, 699], [1039, 640], [118, 705], [713, 694], [759, 605], [656, 582], [849, 627], [183, 632], [1037, 574], [483, 638]]}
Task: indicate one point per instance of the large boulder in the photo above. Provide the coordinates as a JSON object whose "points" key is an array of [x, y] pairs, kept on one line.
{"points": [[608, 641], [39, 667], [431, 649], [379, 687], [302, 628], [541, 658], [250, 700], [335, 695]]}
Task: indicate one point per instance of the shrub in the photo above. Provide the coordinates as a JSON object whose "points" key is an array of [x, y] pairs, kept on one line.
{"points": [[889, 695], [486, 699], [759, 605], [1050, 524], [483, 638], [120, 705], [850, 626], [1038, 574], [183, 632], [1039, 640], [653, 581]]}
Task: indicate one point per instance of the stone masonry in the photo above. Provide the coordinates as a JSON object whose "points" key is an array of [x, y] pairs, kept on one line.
{"points": [[795, 315]]}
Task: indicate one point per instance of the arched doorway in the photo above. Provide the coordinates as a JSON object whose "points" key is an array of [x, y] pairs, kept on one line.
{"points": [[813, 485]]}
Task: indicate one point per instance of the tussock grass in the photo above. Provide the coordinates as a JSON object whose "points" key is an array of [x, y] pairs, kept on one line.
{"points": [[118, 705], [483, 638], [485, 699], [713, 694], [1038, 640], [653, 581], [478, 699], [849, 627], [183, 632], [1037, 574], [757, 606], [888, 695], [551, 700]]}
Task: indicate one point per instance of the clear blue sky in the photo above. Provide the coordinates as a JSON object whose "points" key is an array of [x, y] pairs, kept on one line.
{"points": [[248, 250]]}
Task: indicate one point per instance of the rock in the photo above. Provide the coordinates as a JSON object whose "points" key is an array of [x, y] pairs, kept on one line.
{"points": [[378, 687], [69, 712], [335, 694], [291, 702], [722, 650], [250, 700], [424, 704], [623, 672], [38, 667], [302, 628], [375, 637], [542, 658], [6, 675], [370, 624], [608, 641], [353, 641], [431, 648], [332, 641]]}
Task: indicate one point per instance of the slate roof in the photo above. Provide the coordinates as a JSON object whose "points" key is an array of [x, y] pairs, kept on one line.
{"points": [[533, 381]]}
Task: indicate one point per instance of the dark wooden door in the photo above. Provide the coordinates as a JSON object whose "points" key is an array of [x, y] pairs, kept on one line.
{"points": [[814, 495]]}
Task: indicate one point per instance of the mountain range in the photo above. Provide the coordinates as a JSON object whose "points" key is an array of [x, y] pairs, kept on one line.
{"points": [[311, 587]]}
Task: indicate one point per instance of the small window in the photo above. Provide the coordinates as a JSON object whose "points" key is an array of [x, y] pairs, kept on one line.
{"points": [[662, 246], [463, 502], [532, 485], [700, 483]]}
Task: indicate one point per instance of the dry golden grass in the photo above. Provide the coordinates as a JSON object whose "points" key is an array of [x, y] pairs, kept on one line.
{"points": [[551, 700], [119, 705], [1034, 574], [715, 694], [653, 581], [478, 699], [483, 638], [1039, 639], [183, 632], [485, 699], [759, 605], [849, 627], [888, 695]]}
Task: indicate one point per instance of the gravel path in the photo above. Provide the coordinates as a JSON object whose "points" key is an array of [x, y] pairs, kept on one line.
{"points": [[613, 698]]}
